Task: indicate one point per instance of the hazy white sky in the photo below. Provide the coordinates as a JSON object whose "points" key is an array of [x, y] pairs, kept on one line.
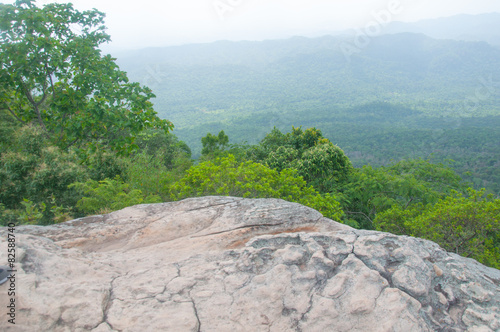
{"points": [[136, 24]]}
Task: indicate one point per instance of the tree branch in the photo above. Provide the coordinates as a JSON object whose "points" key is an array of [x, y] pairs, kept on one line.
{"points": [[407, 204], [35, 107], [44, 91], [15, 115], [43, 97], [72, 143], [361, 213], [52, 85], [465, 240]]}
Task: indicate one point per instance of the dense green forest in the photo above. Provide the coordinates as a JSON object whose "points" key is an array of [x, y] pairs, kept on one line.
{"points": [[78, 138], [403, 96]]}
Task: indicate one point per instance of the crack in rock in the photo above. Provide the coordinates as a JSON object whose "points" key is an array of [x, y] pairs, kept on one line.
{"points": [[108, 300], [209, 206], [236, 229], [307, 273], [198, 327]]}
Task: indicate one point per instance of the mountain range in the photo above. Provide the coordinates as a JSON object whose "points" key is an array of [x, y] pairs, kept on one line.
{"points": [[412, 94], [483, 27]]}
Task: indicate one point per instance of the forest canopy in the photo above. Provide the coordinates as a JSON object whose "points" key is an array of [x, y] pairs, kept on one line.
{"points": [[54, 76], [78, 138]]}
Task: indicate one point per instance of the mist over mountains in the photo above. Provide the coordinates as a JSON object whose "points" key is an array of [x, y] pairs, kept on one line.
{"points": [[394, 68], [483, 27], [416, 91]]}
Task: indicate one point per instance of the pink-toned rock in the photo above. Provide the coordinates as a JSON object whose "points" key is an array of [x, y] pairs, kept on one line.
{"points": [[233, 264]]}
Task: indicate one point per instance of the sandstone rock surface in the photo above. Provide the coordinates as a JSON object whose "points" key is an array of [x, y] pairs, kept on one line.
{"points": [[233, 264]]}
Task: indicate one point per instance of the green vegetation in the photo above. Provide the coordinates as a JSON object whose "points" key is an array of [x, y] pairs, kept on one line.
{"points": [[68, 115], [227, 177], [317, 160], [41, 184], [370, 191], [214, 144], [53, 75], [405, 96], [467, 224], [77, 138], [32, 169], [109, 195]]}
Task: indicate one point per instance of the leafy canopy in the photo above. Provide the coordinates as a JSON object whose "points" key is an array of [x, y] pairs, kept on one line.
{"points": [[109, 195], [32, 169], [52, 73], [320, 162], [370, 191], [214, 144], [468, 225], [228, 177]]}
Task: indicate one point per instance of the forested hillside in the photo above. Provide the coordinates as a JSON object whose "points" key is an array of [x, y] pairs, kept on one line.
{"points": [[404, 95], [77, 137]]}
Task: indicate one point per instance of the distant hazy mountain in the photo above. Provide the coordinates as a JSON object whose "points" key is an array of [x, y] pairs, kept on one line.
{"points": [[246, 88], [483, 27], [397, 68], [246, 53], [396, 96]]}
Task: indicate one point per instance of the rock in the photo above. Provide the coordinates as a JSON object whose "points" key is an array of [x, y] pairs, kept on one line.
{"points": [[233, 264]]}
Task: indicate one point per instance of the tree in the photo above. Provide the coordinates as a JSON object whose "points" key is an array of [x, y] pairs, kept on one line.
{"points": [[468, 225], [110, 195], [298, 139], [321, 163], [369, 191], [52, 74], [8, 127], [166, 146], [214, 144], [228, 177], [33, 171], [325, 166], [271, 142]]}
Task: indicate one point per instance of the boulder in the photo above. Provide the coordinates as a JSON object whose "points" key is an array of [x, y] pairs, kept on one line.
{"points": [[233, 264]]}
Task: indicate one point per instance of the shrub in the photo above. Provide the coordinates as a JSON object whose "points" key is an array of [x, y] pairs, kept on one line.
{"points": [[109, 195], [228, 177], [35, 171], [466, 225]]}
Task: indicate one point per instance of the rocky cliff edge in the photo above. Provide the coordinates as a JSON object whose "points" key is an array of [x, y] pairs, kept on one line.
{"points": [[233, 264]]}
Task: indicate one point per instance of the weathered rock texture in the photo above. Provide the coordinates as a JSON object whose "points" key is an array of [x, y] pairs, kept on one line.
{"points": [[232, 264]]}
